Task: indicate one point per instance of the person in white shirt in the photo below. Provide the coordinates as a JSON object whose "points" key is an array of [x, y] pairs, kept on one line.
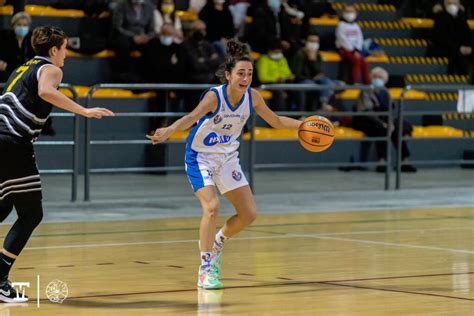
{"points": [[349, 40]]}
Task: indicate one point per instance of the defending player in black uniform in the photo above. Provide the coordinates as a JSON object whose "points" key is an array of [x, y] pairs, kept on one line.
{"points": [[29, 95]]}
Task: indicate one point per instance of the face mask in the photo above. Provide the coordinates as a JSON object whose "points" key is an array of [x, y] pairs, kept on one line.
{"points": [[275, 56], [349, 16], [378, 83], [167, 8], [452, 9], [274, 4], [21, 31], [312, 46], [166, 40]]}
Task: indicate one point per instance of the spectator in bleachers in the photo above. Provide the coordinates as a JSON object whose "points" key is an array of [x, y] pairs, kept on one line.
{"points": [[18, 5], [378, 100], [133, 28], [238, 9], [219, 22], [196, 5], [15, 44], [264, 26], [165, 64], [273, 19], [273, 68], [201, 59], [307, 67], [451, 36], [166, 13], [164, 59], [290, 18], [349, 41]]}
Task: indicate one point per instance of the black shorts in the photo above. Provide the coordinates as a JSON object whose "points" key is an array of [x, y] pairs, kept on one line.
{"points": [[19, 176]]}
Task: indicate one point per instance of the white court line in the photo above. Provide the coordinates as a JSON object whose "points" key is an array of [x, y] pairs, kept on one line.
{"points": [[147, 243], [285, 236], [390, 244], [421, 230]]}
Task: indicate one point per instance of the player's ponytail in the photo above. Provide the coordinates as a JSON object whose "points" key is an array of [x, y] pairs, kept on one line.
{"points": [[236, 51]]}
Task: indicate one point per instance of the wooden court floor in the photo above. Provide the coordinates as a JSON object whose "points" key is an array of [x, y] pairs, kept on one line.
{"points": [[402, 262]]}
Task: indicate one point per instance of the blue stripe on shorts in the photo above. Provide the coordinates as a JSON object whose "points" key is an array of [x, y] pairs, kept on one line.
{"points": [[192, 169]]}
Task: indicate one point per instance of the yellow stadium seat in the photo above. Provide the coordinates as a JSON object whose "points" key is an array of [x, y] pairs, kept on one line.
{"points": [[436, 131], [347, 132]]}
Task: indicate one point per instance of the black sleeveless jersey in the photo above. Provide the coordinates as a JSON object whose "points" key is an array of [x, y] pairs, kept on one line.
{"points": [[22, 112]]}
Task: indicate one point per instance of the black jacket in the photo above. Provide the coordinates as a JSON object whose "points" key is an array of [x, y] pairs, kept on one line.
{"points": [[449, 33]]}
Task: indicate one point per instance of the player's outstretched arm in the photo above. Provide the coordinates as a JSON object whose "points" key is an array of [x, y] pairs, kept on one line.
{"points": [[275, 121], [207, 104], [48, 84]]}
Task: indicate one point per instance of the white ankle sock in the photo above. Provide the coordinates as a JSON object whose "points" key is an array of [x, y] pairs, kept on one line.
{"points": [[219, 241]]}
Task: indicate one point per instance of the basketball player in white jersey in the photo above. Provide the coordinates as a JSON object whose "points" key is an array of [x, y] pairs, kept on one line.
{"points": [[212, 158]]}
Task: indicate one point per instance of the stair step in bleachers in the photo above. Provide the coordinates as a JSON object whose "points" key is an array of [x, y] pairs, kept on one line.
{"points": [[396, 65], [439, 78], [371, 29], [371, 11], [403, 46], [357, 1]]}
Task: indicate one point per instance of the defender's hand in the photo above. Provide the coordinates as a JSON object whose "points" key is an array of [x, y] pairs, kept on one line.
{"points": [[97, 113]]}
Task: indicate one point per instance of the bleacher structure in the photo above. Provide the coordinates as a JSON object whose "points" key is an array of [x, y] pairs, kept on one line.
{"points": [[403, 40]]}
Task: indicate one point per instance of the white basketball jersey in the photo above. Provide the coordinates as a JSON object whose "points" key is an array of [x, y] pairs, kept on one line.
{"points": [[220, 131]]}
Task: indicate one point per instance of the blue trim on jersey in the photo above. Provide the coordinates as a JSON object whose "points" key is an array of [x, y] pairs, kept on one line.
{"points": [[224, 90], [218, 101], [192, 169], [192, 133], [250, 101]]}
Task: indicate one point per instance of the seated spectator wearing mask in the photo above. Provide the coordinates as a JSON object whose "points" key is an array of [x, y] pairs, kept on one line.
{"points": [[169, 66], [378, 100], [349, 41], [307, 67], [165, 12], [273, 68], [15, 45]]}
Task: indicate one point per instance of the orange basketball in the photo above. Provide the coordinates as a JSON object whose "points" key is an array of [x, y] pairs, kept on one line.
{"points": [[316, 133]]}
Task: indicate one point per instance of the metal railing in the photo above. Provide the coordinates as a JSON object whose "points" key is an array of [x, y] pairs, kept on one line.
{"points": [[401, 113], [88, 132], [74, 171], [312, 87], [252, 166]]}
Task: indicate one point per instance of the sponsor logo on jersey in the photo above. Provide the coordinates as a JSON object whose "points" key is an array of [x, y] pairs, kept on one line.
{"points": [[217, 119], [237, 175], [212, 139], [231, 115]]}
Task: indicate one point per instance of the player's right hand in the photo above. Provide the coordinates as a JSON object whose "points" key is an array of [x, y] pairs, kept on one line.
{"points": [[97, 113], [160, 136]]}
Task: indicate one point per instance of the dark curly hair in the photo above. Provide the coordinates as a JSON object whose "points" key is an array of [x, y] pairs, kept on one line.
{"points": [[236, 51]]}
